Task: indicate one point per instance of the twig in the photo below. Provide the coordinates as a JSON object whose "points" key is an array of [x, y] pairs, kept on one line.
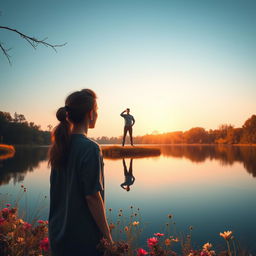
{"points": [[34, 42], [5, 53]]}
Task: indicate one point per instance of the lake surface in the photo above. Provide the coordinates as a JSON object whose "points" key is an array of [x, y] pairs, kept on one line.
{"points": [[212, 188]]}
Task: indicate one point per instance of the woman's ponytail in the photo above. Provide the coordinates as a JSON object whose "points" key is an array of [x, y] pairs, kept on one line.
{"points": [[60, 140]]}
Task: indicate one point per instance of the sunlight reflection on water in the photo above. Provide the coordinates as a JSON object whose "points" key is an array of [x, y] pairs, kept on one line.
{"points": [[211, 188]]}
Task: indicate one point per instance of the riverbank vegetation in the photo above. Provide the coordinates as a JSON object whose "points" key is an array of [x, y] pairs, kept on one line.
{"points": [[17, 130], [113, 152]]}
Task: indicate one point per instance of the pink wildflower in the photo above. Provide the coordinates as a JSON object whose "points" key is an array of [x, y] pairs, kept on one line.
{"points": [[2, 220], [159, 234], [44, 244], [152, 242], [40, 221], [5, 210], [141, 252], [8, 205]]}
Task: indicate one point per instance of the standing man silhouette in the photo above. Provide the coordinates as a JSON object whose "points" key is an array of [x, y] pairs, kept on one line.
{"points": [[129, 122]]}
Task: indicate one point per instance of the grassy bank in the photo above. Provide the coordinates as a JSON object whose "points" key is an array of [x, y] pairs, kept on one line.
{"points": [[130, 151], [6, 151]]}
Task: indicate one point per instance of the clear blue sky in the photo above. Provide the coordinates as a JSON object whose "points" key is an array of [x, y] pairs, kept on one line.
{"points": [[176, 64]]}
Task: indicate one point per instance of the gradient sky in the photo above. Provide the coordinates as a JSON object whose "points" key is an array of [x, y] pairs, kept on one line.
{"points": [[176, 64]]}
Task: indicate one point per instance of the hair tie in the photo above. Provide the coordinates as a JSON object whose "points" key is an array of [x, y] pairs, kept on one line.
{"points": [[67, 108]]}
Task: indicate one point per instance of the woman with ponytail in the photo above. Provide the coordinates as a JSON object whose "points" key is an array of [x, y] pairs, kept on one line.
{"points": [[77, 219]]}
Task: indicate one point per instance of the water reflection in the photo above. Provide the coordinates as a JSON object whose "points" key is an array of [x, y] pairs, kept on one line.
{"points": [[202, 195], [128, 175], [4, 156], [26, 159], [227, 155]]}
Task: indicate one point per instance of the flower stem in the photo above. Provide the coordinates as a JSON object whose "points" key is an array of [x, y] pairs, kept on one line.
{"points": [[229, 251]]}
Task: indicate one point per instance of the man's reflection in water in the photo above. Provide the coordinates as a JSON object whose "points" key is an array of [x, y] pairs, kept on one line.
{"points": [[129, 178]]}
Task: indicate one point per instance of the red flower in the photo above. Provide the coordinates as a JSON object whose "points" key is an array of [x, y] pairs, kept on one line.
{"points": [[152, 242], [159, 234], [26, 226], [41, 221], [2, 220], [5, 210], [44, 244], [8, 205], [141, 252]]}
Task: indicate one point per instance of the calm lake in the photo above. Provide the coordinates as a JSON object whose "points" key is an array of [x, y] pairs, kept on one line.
{"points": [[212, 188]]}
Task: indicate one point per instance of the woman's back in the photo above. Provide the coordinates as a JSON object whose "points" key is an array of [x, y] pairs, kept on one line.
{"points": [[72, 229]]}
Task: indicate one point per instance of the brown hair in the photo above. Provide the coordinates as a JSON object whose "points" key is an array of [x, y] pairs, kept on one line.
{"points": [[77, 105]]}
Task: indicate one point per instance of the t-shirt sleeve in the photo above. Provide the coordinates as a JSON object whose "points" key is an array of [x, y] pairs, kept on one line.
{"points": [[91, 173]]}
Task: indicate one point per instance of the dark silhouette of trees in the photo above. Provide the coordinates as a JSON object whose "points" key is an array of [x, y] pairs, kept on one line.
{"points": [[49, 126], [17, 130]]}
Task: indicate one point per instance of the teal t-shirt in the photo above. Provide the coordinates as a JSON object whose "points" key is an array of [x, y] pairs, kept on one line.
{"points": [[72, 229], [129, 119]]}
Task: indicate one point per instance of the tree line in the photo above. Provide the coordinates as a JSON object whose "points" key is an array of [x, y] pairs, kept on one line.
{"points": [[225, 134], [17, 130]]}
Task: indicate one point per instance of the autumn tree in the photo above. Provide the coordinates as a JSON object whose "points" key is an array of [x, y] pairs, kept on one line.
{"points": [[249, 130], [196, 135]]}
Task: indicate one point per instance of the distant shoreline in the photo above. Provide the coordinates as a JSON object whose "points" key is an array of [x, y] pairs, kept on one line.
{"points": [[170, 144], [178, 144]]}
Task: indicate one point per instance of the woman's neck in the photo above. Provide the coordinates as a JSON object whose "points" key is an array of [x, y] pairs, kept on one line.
{"points": [[80, 129]]}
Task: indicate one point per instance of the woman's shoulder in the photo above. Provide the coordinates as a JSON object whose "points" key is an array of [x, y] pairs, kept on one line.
{"points": [[85, 144], [92, 143], [90, 149]]}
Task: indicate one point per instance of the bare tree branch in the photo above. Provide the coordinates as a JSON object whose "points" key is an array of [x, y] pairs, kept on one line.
{"points": [[5, 51], [34, 42]]}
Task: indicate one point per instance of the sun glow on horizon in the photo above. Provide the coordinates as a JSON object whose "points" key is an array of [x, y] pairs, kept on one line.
{"points": [[175, 65]]}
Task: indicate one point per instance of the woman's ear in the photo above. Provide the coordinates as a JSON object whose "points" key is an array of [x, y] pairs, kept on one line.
{"points": [[91, 115]]}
